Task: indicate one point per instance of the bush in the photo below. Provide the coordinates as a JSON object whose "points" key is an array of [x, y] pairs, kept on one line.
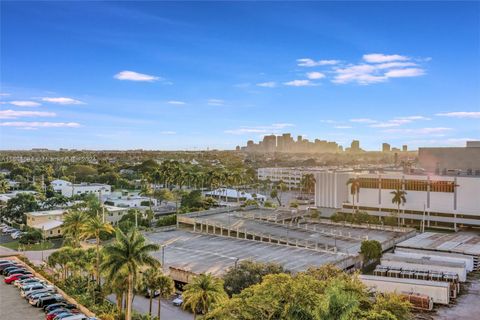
{"points": [[31, 237], [268, 204], [338, 217], [169, 220]]}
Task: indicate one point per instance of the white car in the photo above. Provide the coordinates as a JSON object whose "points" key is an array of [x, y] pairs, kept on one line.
{"points": [[16, 234], [178, 301]]}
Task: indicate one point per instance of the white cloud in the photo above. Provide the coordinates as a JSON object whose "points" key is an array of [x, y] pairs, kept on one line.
{"points": [[215, 102], [362, 74], [307, 62], [14, 114], [363, 120], [299, 83], [4, 94], [409, 72], [271, 129], [269, 84], [390, 65], [397, 121], [40, 124], [423, 131], [380, 58], [315, 75], [460, 114], [62, 100], [411, 118], [168, 132], [342, 127], [176, 102], [24, 103], [135, 76]]}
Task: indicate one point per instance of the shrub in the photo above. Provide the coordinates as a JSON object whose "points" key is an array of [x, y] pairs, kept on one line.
{"points": [[31, 237], [371, 250], [169, 220]]}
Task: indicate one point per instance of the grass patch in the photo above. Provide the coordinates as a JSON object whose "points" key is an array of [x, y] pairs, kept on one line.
{"points": [[32, 247]]}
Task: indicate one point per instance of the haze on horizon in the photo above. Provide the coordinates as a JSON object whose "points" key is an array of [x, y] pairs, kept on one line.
{"points": [[130, 75]]}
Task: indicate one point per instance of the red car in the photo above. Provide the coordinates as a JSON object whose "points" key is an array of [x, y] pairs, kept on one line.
{"points": [[17, 276]]}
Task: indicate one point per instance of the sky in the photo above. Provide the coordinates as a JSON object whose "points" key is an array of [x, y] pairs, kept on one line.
{"points": [[198, 75]]}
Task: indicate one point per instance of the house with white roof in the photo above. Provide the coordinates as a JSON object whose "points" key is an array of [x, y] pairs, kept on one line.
{"points": [[68, 189], [49, 222], [232, 195]]}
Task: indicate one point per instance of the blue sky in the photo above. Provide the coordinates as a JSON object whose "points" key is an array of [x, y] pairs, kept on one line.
{"points": [[120, 75]]}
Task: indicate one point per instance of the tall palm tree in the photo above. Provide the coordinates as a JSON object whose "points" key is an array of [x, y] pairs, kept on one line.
{"points": [[202, 293], [149, 283], [354, 189], [165, 287], [72, 226], [92, 228], [129, 253], [308, 183], [399, 198]]}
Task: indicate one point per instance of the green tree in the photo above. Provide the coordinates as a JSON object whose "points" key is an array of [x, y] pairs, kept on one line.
{"points": [[399, 198], [308, 183], [354, 184], [395, 304], [149, 281], [73, 223], [129, 253], [93, 228], [203, 293], [248, 273], [371, 250], [165, 287], [19, 205]]}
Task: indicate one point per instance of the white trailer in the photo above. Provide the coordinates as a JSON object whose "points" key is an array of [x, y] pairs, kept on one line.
{"points": [[438, 291], [425, 264], [437, 255]]}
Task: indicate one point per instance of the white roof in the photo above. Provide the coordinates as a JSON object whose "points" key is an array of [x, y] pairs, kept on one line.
{"points": [[56, 212], [115, 209], [232, 193], [49, 225]]}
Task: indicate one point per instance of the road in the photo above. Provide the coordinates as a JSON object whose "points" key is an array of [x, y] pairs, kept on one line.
{"points": [[168, 310]]}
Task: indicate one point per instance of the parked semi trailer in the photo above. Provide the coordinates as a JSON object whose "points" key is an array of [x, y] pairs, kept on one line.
{"points": [[425, 264], [438, 291], [436, 255]]}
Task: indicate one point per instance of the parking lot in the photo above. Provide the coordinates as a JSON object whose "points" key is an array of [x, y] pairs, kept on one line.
{"points": [[12, 306]]}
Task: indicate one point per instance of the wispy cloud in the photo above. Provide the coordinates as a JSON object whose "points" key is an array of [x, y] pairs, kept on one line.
{"points": [[40, 124], [342, 127], [299, 83], [307, 62], [397, 122], [460, 114], [24, 103], [168, 132], [14, 114], [215, 102], [62, 100], [271, 129], [176, 102], [380, 57], [269, 84], [4, 94], [422, 131], [136, 76], [401, 73], [315, 75], [363, 120]]}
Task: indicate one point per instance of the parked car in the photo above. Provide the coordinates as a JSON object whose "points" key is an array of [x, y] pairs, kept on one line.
{"points": [[8, 271], [16, 270], [6, 265], [54, 313], [64, 315], [24, 290], [17, 234], [44, 290], [45, 301], [33, 298], [54, 306], [32, 280], [178, 301], [79, 316], [17, 276]]}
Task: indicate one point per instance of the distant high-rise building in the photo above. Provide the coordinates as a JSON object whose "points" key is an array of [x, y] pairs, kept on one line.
{"points": [[355, 145], [285, 143], [404, 148], [385, 147], [270, 143]]}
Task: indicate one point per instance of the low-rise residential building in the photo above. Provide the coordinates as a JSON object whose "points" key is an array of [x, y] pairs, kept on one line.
{"points": [[114, 214], [442, 201], [49, 222], [68, 189], [128, 200], [232, 195]]}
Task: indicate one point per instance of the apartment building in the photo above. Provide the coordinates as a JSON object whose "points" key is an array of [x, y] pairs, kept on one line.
{"points": [[68, 189]]}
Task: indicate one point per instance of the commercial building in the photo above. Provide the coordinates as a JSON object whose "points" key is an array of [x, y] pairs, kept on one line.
{"points": [[49, 222], [290, 176], [385, 147], [285, 143], [451, 160], [440, 201], [69, 189]]}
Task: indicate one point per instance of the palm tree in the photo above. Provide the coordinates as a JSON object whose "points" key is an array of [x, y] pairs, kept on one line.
{"points": [[92, 228], [129, 253], [202, 293], [399, 198], [149, 282], [72, 226], [165, 287], [308, 182], [354, 188], [147, 191]]}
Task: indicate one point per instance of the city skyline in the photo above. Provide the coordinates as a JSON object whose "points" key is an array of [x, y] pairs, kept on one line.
{"points": [[157, 76]]}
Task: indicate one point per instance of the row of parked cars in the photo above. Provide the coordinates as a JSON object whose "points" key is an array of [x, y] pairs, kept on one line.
{"points": [[39, 293], [14, 233]]}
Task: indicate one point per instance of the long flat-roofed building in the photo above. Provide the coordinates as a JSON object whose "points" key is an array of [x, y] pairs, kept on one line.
{"points": [[445, 201]]}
